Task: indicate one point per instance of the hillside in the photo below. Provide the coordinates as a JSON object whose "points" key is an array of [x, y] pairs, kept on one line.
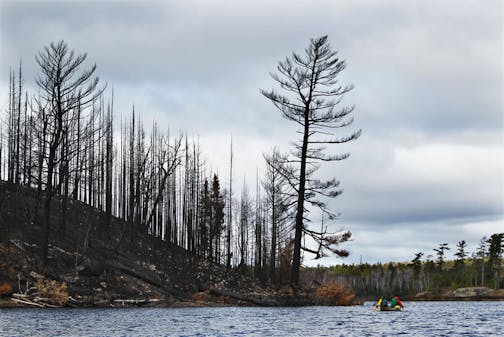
{"points": [[127, 267]]}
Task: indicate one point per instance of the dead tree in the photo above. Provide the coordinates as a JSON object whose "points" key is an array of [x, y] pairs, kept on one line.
{"points": [[18, 127], [244, 226], [279, 201], [63, 86], [167, 164], [108, 168], [230, 211], [311, 98]]}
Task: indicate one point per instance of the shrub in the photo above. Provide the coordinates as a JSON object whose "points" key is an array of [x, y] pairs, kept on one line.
{"points": [[203, 296], [54, 291], [334, 294], [5, 289], [224, 299]]}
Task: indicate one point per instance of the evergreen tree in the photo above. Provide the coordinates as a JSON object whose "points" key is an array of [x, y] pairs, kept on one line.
{"points": [[217, 219], [440, 252], [495, 249], [461, 253], [417, 263]]}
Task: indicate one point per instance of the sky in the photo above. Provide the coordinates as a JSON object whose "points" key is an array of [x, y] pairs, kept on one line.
{"points": [[428, 96]]}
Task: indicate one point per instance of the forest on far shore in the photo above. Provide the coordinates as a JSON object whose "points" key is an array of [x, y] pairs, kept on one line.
{"points": [[481, 268]]}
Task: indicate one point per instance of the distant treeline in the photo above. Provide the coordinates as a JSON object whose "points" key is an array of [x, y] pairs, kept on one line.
{"points": [[481, 268]]}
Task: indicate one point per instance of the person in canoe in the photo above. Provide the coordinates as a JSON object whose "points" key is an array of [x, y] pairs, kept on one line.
{"points": [[382, 302], [396, 303]]}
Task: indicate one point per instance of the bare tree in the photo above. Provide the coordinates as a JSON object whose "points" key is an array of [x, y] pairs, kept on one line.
{"points": [[18, 126], [64, 86], [11, 129], [109, 173], [311, 99], [168, 161], [230, 211], [244, 225], [279, 201]]}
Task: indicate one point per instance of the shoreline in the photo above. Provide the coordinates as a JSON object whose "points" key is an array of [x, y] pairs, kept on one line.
{"points": [[9, 304]]}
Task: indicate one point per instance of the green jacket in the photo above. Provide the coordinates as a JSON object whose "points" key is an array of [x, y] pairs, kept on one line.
{"points": [[393, 302]]}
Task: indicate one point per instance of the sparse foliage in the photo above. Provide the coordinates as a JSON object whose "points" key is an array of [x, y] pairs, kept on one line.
{"points": [[311, 97], [441, 252]]}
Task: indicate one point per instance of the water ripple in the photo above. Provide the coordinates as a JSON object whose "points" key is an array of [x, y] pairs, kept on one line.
{"points": [[419, 319]]}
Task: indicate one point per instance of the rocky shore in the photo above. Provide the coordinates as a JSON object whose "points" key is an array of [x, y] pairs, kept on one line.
{"points": [[461, 294]]}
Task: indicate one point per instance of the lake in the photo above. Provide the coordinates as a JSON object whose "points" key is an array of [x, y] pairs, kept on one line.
{"points": [[418, 319]]}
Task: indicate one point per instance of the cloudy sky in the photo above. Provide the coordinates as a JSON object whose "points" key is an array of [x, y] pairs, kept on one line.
{"points": [[428, 77]]}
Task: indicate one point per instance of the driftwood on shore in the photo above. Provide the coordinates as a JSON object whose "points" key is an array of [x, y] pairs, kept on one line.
{"points": [[137, 301], [16, 300], [35, 301]]}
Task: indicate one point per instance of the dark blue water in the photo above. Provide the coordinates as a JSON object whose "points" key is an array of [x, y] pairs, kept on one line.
{"points": [[418, 319]]}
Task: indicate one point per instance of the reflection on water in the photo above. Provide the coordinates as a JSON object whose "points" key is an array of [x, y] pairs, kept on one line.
{"points": [[418, 319]]}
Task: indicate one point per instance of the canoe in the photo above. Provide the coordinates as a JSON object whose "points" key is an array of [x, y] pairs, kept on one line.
{"points": [[391, 309]]}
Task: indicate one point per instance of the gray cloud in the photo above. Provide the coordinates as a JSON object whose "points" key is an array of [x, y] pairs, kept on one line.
{"points": [[428, 81]]}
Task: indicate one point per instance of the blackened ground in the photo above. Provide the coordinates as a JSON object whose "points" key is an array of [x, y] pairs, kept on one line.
{"points": [[120, 267]]}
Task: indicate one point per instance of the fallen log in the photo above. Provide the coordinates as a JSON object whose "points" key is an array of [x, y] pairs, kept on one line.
{"points": [[70, 298], [137, 301], [40, 299], [144, 276], [244, 298], [35, 301], [27, 302], [36, 304], [74, 302], [130, 301], [16, 295], [101, 302]]}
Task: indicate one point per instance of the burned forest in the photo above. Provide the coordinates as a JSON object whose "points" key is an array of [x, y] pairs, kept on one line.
{"points": [[91, 196]]}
